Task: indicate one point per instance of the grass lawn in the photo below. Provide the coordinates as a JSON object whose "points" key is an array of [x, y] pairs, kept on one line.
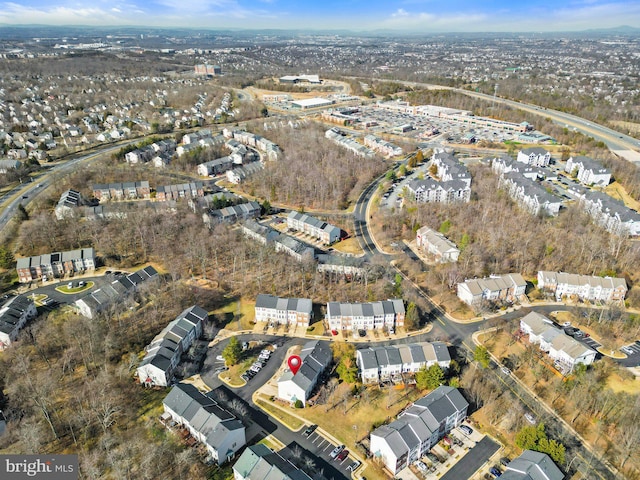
{"points": [[350, 245], [316, 328], [292, 422], [235, 310], [37, 299], [66, 290]]}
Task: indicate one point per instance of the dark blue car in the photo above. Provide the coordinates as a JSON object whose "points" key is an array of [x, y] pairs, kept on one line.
{"points": [[495, 472]]}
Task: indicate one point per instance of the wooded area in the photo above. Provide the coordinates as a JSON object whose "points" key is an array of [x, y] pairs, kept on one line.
{"points": [[313, 172]]}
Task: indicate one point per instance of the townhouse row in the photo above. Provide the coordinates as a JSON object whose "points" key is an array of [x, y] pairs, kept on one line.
{"points": [[340, 315], [55, 265], [565, 351], [379, 364], [164, 352]]}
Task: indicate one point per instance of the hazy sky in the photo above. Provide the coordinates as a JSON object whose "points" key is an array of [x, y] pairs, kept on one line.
{"points": [[409, 15]]}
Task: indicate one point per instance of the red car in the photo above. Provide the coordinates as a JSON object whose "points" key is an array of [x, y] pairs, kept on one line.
{"points": [[334, 332], [342, 455]]}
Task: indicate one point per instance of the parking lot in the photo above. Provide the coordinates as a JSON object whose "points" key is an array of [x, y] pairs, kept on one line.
{"points": [[632, 349], [579, 335], [323, 448]]}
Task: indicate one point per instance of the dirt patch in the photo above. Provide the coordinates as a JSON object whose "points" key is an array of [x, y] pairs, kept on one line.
{"points": [[617, 191]]}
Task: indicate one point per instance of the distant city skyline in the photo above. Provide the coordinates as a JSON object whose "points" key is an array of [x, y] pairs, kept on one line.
{"points": [[411, 16]]}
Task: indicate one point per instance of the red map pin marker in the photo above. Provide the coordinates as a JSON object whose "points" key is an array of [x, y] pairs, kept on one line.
{"points": [[294, 363]]}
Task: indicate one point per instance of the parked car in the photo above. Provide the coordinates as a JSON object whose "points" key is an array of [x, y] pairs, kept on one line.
{"points": [[530, 418], [342, 455], [505, 370], [354, 466], [627, 350], [566, 324], [495, 472], [421, 466], [505, 461], [334, 453], [466, 429], [310, 429]]}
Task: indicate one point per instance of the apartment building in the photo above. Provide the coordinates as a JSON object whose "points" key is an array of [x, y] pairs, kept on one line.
{"points": [[530, 195], [449, 168], [583, 287], [588, 171], [611, 214], [534, 156], [432, 191], [365, 316], [565, 351], [55, 265]]}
